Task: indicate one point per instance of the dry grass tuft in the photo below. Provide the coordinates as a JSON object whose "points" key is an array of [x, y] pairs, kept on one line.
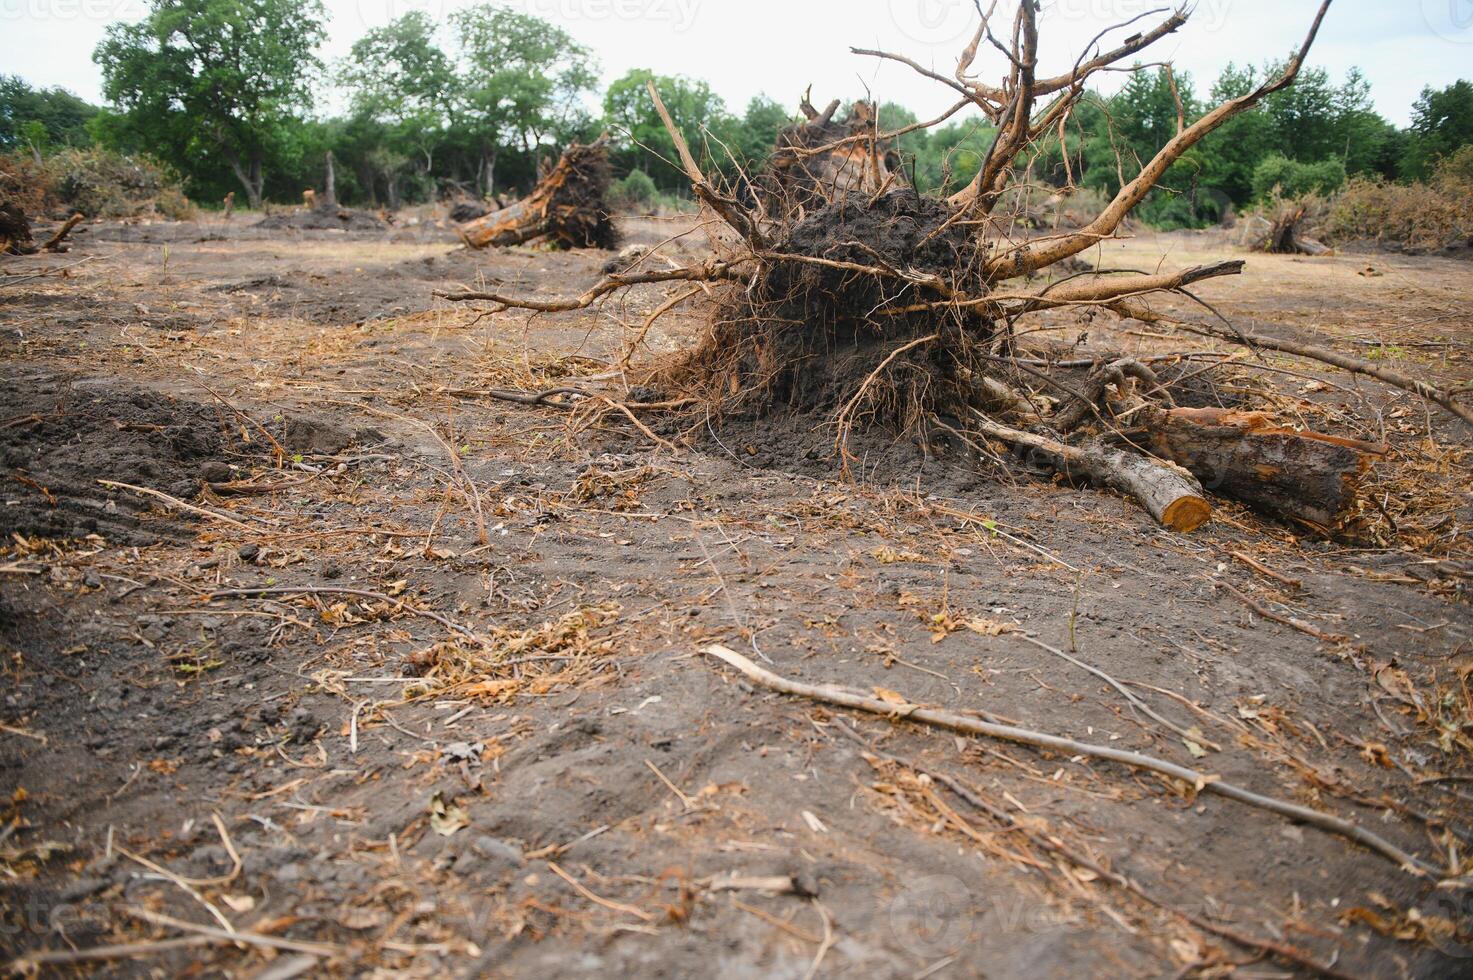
{"points": [[532, 661]]}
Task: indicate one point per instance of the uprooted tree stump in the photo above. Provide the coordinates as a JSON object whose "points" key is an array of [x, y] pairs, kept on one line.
{"points": [[15, 231], [844, 299], [567, 209], [1285, 237]]}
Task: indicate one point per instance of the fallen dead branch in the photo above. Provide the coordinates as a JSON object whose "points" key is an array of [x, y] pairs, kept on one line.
{"points": [[1195, 781], [1168, 493], [1265, 613], [54, 243], [178, 504]]}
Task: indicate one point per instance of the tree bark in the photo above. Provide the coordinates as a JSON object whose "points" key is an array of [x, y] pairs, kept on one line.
{"points": [[1306, 477], [330, 185], [1170, 494]]}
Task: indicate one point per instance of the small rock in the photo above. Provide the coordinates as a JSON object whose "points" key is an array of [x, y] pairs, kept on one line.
{"points": [[498, 851], [249, 552], [215, 471]]}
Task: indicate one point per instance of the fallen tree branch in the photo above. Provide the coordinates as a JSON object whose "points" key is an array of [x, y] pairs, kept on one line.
{"points": [[1170, 494], [1130, 699], [1273, 617], [178, 504], [53, 244], [1200, 782], [709, 271]]}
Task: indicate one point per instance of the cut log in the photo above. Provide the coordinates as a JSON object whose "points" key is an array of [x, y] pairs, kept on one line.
{"points": [[1169, 493], [56, 243], [822, 159], [568, 207], [1306, 477]]}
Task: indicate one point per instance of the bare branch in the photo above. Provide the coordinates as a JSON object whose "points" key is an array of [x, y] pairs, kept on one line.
{"points": [[1031, 256]]}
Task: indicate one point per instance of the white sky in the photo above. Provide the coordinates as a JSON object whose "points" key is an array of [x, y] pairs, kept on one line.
{"points": [[744, 47]]}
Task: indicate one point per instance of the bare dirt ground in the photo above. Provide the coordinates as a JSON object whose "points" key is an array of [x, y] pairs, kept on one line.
{"points": [[413, 684]]}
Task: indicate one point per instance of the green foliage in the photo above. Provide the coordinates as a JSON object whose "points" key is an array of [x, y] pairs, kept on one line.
{"points": [[1277, 175], [643, 142], [1310, 121], [521, 77], [637, 190], [219, 81], [1442, 122], [38, 119]]}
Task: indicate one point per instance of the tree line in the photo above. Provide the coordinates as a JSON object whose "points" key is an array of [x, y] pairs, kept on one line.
{"points": [[228, 93]]}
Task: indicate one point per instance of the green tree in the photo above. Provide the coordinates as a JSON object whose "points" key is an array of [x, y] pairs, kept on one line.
{"points": [[37, 119], [1311, 121], [1277, 174], [1442, 122], [214, 79], [644, 143], [404, 89], [756, 134], [522, 80]]}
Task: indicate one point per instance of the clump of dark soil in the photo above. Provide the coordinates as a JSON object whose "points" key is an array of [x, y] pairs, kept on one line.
{"points": [[323, 219], [58, 438]]}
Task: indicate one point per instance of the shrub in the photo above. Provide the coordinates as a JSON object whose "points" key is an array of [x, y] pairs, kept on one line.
{"points": [[27, 184], [1277, 175], [635, 190]]}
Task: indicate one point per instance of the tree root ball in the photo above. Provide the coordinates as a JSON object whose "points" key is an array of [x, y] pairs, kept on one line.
{"points": [[835, 299]]}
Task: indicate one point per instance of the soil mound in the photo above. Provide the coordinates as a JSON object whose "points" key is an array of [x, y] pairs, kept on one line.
{"points": [[60, 437]]}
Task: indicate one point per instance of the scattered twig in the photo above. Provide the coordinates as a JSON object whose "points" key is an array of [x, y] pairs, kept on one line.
{"points": [[305, 590], [181, 505], [1269, 614]]}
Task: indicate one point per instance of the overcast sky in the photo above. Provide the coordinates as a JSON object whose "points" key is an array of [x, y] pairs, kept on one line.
{"points": [[746, 47]]}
